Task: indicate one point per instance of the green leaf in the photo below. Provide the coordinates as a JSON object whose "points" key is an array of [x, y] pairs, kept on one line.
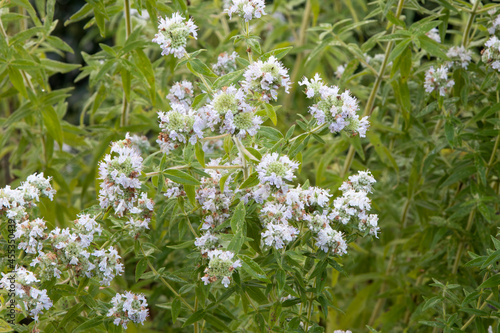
{"points": [[252, 268], [17, 80], [238, 219], [277, 53], [191, 193], [200, 154], [228, 79], [5, 327], [431, 302], [198, 315], [58, 66], [491, 282], [181, 177], [199, 68], [88, 324], [52, 124], [400, 47], [257, 295], [432, 47], [140, 268], [251, 181], [271, 113], [176, 309]]}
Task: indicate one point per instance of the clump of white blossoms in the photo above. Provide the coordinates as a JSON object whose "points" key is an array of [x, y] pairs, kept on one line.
{"points": [[354, 204], [247, 9], [108, 265], [220, 267], [495, 21], [275, 170], [173, 34], [459, 57], [181, 93], [226, 63], [330, 240], [28, 296], [336, 110], [434, 35], [30, 235], [278, 234], [120, 177], [180, 125], [14, 202], [128, 307], [265, 78], [437, 79], [340, 331], [491, 53], [229, 112], [206, 242], [214, 201]]}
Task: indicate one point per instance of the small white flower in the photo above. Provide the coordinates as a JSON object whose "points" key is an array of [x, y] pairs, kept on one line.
{"points": [[437, 79], [226, 63], [181, 93], [434, 35], [247, 9], [459, 56], [128, 307], [173, 34], [491, 53], [265, 78], [275, 170], [220, 267]]}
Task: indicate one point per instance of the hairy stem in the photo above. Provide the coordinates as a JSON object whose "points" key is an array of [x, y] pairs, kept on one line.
{"points": [[128, 31], [466, 39]]}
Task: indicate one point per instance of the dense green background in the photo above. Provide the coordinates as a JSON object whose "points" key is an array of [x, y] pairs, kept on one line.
{"points": [[435, 159]]}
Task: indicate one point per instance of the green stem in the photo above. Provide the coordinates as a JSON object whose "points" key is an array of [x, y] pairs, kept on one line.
{"points": [[482, 307], [314, 130], [242, 156], [128, 31], [461, 244], [466, 40], [215, 137], [373, 93], [165, 281]]}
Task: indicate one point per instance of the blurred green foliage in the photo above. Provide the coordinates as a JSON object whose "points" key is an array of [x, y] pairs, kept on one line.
{"points": [[435, 266]]}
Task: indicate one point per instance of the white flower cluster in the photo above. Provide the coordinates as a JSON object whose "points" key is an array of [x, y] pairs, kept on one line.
{"points": [[31, 298], [336, 110], [120, 186], [214, 202], [278, 232], [247, 9], [173, 34], [354, 203], [180, 125], [73, 252], [229, 112], [14, 202], [459, 56], [265, 78], [220, 267], [226, 63], [495, 21], [181, 93], [434, 35], [206, 242], [275, 170], [340, 331], [437, 79], [491, 53], [140, 143], [128, 307], [31, 235]]}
